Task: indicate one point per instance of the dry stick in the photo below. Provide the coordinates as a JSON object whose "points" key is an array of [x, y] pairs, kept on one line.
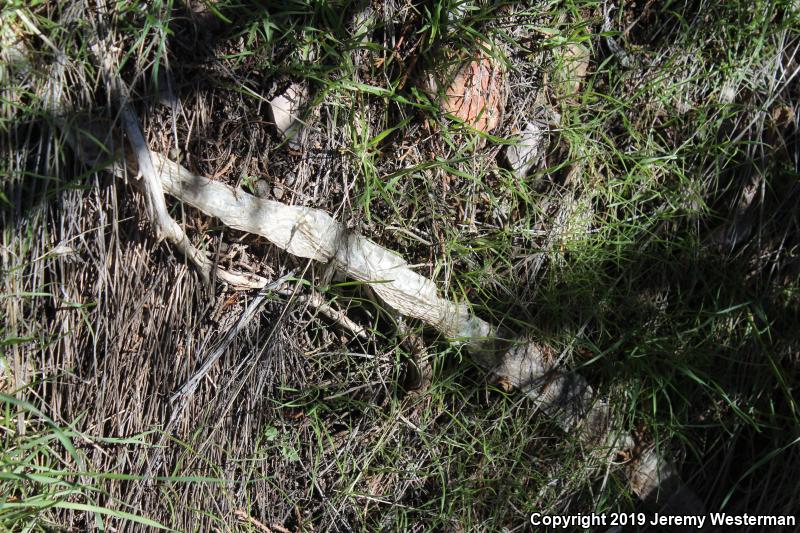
{"points": [[311, 233], [166, 227], [243, 516], [315, 300]]}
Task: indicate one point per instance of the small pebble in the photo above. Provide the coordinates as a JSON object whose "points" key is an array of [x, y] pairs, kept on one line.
{"points": [[262, 188], [527, 153], [286, 110], [277, 191]]}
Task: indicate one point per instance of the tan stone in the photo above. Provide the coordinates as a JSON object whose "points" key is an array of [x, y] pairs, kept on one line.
{"points": [[474, 92]]}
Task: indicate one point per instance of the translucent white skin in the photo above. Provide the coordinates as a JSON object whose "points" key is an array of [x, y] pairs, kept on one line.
{"points": [[314, 234]]}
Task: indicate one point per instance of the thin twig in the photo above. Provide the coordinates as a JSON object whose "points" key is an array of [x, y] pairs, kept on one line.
{"points": [[166, 227], [316, 301], [244, 517]]}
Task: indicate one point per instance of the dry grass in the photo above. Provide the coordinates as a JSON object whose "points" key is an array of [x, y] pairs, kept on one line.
{"points": [[655, 246]]}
